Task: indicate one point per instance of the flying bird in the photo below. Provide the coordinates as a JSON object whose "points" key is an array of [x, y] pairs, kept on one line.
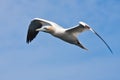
{"points": [[68, 35]]}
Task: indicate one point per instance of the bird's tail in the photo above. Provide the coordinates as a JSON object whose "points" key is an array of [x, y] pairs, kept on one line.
{"points": [[80, 45]]}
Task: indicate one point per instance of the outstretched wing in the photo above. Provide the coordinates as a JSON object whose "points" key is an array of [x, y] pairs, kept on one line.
{"points": [[78, 29], [35, 24], [83, 27]]}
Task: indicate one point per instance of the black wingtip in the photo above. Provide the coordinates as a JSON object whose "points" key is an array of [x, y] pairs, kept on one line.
{"points": [[27, 42], [28, 39], [102, 40], [81, 46]]}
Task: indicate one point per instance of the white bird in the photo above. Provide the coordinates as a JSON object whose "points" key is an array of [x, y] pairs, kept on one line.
{"points": [[68, 35]]}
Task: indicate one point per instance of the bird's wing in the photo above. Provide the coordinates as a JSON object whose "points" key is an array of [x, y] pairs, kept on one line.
{"points": [[78, 29], [35, 24], [101, 39], [83, 27]]}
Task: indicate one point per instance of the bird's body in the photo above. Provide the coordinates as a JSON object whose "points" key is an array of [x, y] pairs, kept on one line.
{"points": [[69, 35]]}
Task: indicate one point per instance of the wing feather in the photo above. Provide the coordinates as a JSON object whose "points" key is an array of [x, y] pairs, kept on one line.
{"points": [[83, 27], [35, 24], [32, 30], [78, 29]]}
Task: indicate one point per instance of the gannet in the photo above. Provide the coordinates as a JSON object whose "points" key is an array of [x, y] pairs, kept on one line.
{"points": [[68, 35]]}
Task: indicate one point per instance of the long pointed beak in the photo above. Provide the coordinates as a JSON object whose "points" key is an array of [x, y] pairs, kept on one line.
{"points": [[39, 29]]}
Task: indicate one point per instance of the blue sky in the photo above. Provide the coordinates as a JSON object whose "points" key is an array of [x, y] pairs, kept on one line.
{"points": [[48, 58]]}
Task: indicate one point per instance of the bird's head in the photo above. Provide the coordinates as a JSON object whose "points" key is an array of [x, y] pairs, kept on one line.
{"points": [[46, 28]]}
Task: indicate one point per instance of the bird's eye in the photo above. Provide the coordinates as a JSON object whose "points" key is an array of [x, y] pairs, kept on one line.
{"points": [[45, 28]]}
